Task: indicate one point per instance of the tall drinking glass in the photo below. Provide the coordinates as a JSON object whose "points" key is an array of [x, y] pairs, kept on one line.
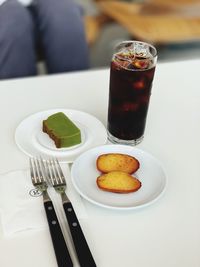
{"points": [[131, 75]]}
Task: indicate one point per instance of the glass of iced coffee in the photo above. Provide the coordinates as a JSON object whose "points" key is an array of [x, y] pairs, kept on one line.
{"points": [[131, 76]]}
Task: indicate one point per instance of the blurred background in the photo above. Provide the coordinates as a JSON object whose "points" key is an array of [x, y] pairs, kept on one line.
{"points": [[173, 26]]}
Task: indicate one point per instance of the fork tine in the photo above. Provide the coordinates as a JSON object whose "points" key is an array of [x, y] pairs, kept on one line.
{"points": [[45, 167], [39, 169], [35, 167], [49, 170], [54, 173], [32, 171], [36, 170], [59, 168], [55, 176], [59, 171]]}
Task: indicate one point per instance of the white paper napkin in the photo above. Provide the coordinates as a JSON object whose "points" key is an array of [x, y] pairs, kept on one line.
{"points": [[21, 206]]}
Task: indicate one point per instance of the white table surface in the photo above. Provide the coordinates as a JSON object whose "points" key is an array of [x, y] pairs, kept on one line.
{"points": [[166, 233]]}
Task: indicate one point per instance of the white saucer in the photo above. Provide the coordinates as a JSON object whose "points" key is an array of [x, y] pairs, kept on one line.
{"points": [[30, 138], [151, 174]]}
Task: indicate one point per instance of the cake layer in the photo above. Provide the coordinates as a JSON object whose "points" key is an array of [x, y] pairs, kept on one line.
{"points": [[62, 130]]}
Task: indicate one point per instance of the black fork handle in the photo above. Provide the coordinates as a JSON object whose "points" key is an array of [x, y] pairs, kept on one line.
{"points": [[82, 249], [61, 251]]}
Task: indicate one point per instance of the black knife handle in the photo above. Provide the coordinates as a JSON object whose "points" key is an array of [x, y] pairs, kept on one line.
{"points": [[82, 249], [61, 251]]}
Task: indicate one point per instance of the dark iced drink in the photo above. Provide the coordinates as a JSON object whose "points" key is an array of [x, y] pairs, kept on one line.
{"points": [[131, 75]]}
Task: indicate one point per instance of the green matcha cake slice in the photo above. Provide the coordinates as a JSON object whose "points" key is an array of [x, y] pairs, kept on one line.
{"points": [[62, 130]]}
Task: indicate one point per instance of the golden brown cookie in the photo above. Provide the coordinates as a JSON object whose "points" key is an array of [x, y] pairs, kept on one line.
{"points": [[118, 182], [117, 162]]}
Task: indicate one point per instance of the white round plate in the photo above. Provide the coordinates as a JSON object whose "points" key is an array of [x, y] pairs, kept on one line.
{"points": [[30, 138], [151, 174]]}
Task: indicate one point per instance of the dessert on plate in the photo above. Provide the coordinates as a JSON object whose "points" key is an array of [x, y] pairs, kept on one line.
{"points": [[116, 169], [118, 182], [117, 162], [62, 130]]}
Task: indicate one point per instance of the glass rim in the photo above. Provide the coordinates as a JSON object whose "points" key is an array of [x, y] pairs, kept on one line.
{"points": [[153, 55], [141, 42]]}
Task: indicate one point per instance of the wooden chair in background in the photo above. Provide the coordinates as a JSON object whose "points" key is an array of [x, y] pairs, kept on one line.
{"points": [[155, 21]]}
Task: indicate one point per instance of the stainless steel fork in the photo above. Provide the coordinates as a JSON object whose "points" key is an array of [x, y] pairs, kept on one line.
{"points": [[57, 179], [61, 251]]}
